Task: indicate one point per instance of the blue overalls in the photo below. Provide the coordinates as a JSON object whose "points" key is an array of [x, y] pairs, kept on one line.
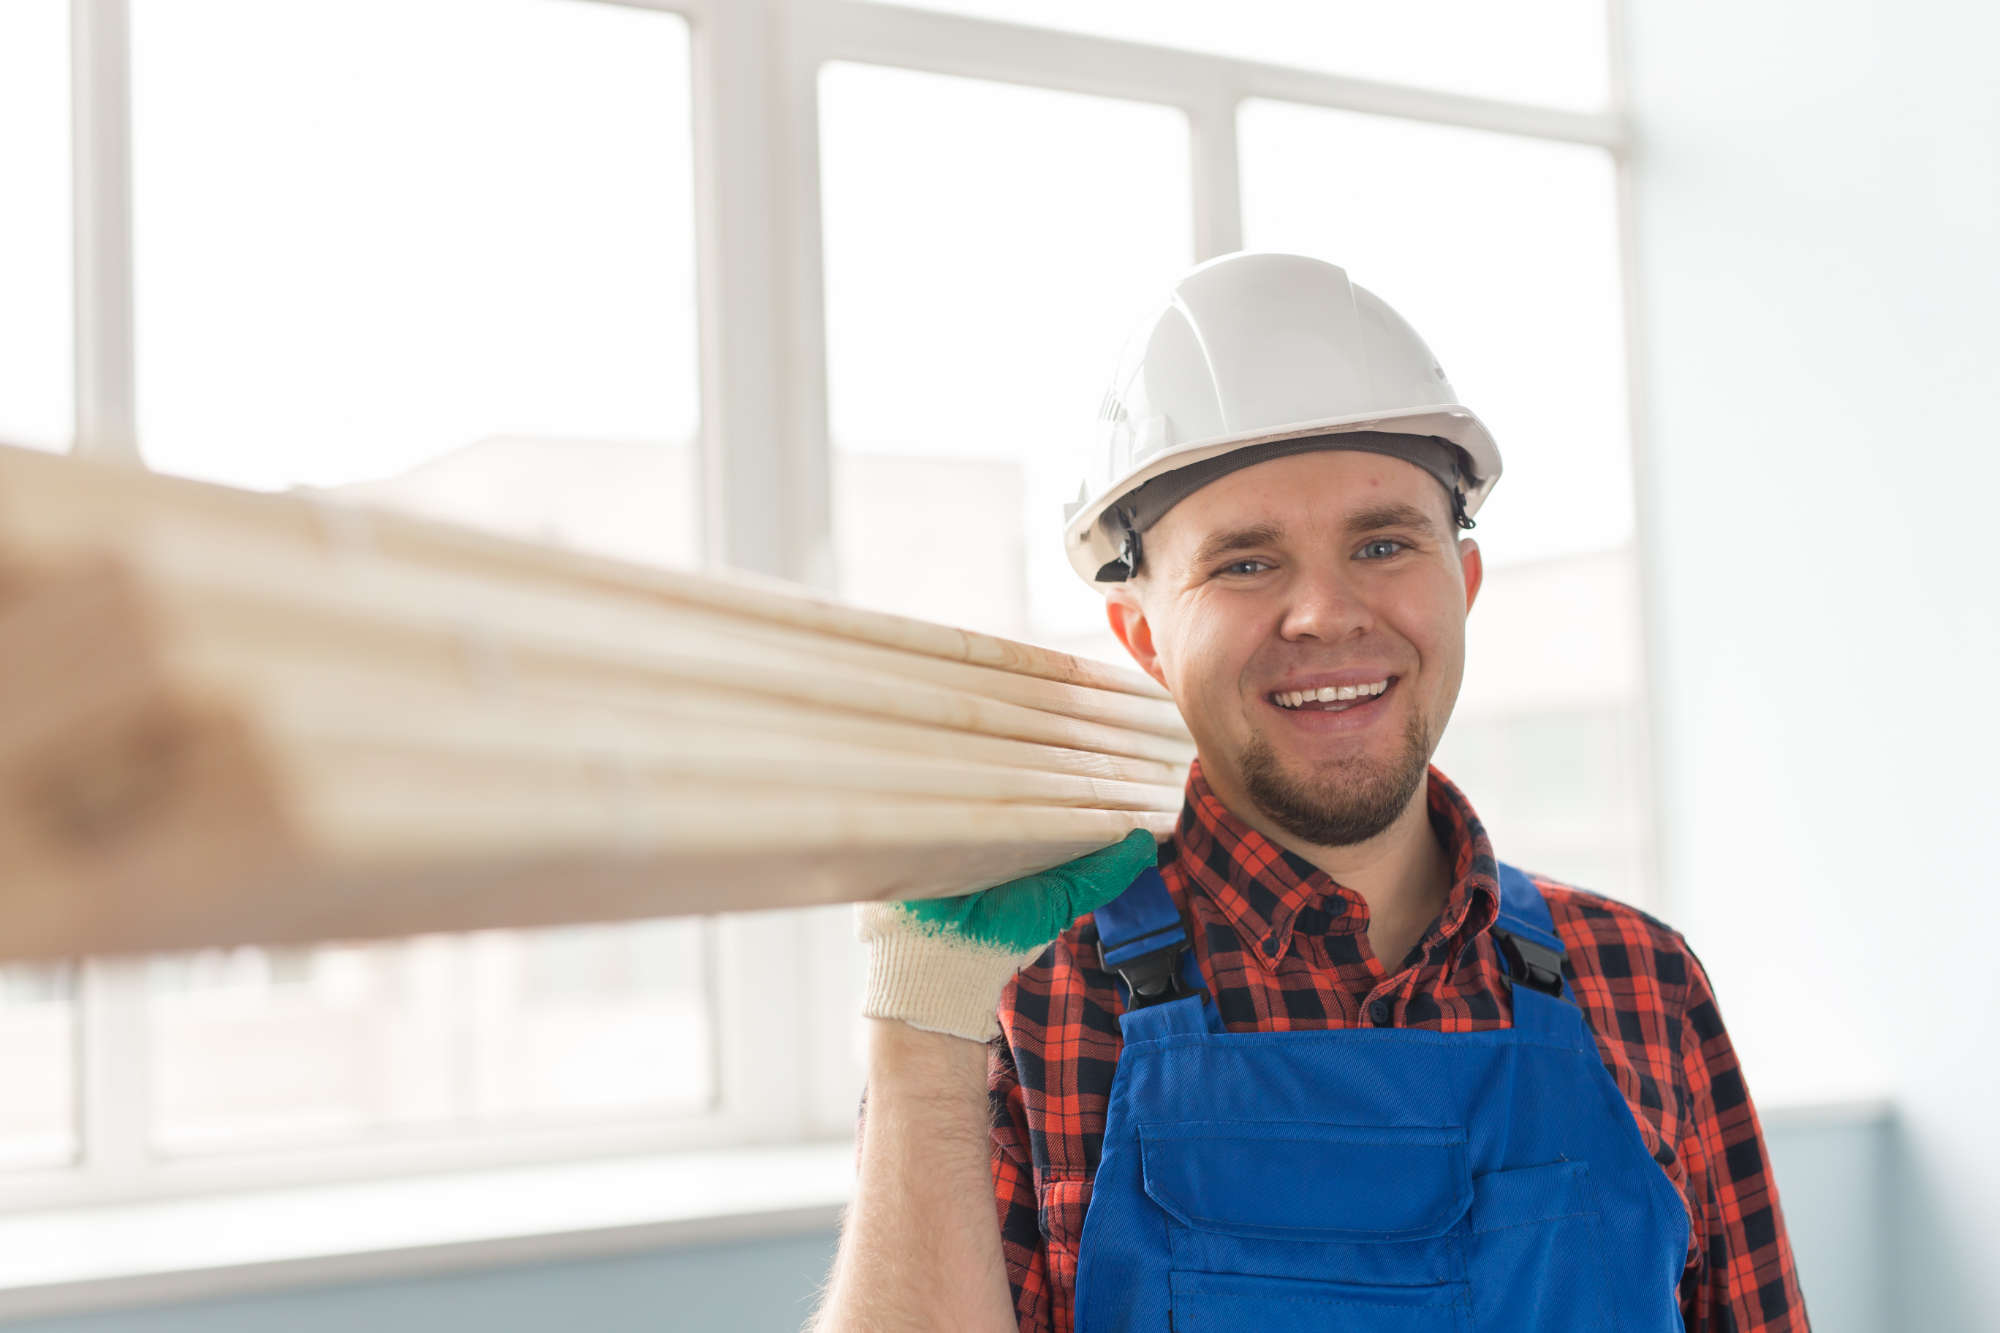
{"points": [[1382, 1180]]}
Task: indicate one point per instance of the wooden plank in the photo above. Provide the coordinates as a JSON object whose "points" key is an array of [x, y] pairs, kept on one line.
{"points": [[50, 503], [156, 902], [395, 686], [226, 606], [73, 645], [222, 721], [366, 592], [320, 729], [198, 843]]}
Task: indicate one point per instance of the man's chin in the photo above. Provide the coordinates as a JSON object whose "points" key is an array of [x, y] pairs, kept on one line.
{"points": [[1332, 774], [1333, 802], [1328, 816]]}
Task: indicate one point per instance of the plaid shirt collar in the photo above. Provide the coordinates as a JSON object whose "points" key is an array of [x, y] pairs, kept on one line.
{"points": [[1264, 889]]}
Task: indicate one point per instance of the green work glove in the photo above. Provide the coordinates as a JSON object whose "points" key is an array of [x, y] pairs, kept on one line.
{"points": [[941, 963]]}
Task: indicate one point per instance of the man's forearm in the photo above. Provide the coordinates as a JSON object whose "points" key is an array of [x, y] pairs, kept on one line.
{"points": [[920, 1244]]}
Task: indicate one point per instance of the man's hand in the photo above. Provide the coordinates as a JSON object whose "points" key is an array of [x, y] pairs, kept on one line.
{"points": [[941, 963]]}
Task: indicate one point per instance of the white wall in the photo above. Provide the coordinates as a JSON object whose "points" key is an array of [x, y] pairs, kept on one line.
{"points": [[1816, 192]]}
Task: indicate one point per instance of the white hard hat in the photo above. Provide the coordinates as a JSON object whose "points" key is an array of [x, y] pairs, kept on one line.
{"points": [[1253, 349]]}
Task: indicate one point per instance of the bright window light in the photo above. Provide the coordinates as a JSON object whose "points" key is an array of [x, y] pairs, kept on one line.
{"points": [[988, 248], [257, 1048], [441, 249], [37, 374], [439, 255], [38, 1124]]}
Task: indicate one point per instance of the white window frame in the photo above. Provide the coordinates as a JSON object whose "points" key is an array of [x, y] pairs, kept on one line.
{"points": [[784, 1073]]}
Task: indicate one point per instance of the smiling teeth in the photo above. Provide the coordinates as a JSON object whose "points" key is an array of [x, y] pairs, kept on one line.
{"points": [[1329, 694]]}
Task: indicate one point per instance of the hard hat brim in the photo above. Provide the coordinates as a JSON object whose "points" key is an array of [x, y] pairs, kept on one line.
{"points": [[1089, 548]]}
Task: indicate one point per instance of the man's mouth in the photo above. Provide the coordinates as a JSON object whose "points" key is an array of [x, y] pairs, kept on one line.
{"points": [[1330, 698]]}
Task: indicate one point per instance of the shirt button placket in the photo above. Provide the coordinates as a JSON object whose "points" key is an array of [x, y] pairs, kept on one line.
{"points": [[1378, 1013]]}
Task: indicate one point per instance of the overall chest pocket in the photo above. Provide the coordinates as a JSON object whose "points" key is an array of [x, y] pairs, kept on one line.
{"points": [[1287, 1226]]}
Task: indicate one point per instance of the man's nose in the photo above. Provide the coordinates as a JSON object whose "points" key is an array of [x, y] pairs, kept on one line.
{"points": [[1325, 606]]}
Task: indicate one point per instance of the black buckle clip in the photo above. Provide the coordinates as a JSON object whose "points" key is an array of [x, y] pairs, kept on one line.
{"points": [[1153, 978], [1536, 964], [1127, 562]]}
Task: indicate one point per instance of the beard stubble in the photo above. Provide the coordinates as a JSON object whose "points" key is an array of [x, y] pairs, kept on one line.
{"points": [[1340, 803]]}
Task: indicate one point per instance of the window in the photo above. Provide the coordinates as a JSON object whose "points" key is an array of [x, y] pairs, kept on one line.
{"points": [[969, 306], [559, 269], [257, 1048], [447, 266], [449, 262]]}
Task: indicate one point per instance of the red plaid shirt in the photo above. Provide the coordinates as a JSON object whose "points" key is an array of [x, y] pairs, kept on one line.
{"points": [[1281, 946]]}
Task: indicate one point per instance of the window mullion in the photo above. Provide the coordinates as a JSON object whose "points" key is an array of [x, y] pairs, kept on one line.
{"points": [[1085, 62], [764, 459], [833, 995], [763, 455], [114, 1064], [1218, 186], [823, 1011], [101, 175]]}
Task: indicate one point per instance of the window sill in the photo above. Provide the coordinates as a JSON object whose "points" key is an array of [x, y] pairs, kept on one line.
{"points": [[65, 1261], [76, 1259]]}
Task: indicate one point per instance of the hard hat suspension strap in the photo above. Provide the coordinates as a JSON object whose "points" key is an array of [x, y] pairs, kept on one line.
{"points": [[1127, 563], [1141, 508]]}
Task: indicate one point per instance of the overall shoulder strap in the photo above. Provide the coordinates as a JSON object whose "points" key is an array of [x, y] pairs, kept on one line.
{"points": [[1142, 939], [1530, 949]]}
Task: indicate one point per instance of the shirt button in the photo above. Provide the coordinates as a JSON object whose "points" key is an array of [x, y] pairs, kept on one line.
{"points": [[1379, 1012]]}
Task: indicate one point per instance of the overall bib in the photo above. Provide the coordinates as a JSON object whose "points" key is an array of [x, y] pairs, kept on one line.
{"points": [[1383, 1180]]}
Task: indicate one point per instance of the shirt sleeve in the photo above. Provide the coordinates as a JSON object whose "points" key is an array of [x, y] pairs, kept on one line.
{"points": [[1023, 1243], [1742, 1278]]}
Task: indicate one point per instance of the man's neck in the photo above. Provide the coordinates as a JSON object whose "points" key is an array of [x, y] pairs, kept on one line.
{"points": [[1403, 873]]}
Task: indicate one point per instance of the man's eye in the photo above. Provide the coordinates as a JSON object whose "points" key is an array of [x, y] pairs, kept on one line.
{"points": [[1235, 565], [1383, 541]]}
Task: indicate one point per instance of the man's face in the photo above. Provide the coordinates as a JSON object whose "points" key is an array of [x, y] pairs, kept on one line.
{"points": [[1333, 567]]}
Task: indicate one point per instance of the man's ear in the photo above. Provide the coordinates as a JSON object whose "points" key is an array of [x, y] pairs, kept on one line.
{"points": [[1128, 621], [1472, 566]]}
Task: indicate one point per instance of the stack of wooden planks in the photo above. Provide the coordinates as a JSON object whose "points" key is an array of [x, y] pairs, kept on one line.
{"points": [[230, 717]]}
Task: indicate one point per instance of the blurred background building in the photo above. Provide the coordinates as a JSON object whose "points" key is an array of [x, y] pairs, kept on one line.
{"points": [[829, 290]]}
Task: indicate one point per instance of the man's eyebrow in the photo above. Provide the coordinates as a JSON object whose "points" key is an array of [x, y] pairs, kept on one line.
{"points": [[1218, 544], [1395, 515]]}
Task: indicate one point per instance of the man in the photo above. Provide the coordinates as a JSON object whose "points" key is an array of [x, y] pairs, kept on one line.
{"points": [[1330, 1065]]}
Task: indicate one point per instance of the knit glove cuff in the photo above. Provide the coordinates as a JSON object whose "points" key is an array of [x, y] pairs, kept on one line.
{"points": [[941, 964], [930, 978]]}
